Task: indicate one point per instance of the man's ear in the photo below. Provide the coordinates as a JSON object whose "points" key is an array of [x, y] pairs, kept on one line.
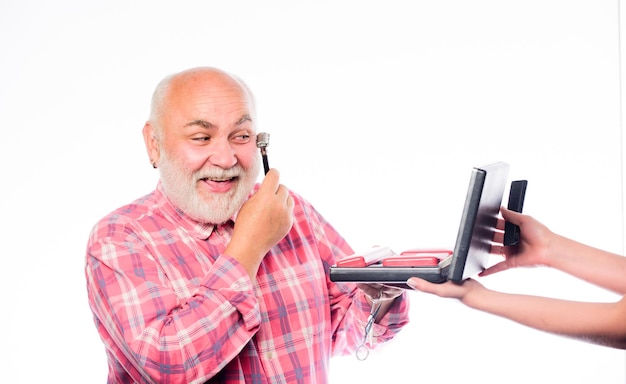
{"points": [[152, 144]]}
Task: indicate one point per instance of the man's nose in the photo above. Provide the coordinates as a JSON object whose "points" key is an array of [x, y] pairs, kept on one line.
{"points": [[222, 154]]}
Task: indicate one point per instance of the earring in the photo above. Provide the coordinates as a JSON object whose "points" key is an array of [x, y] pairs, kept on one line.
{"points": [[153, 164]]}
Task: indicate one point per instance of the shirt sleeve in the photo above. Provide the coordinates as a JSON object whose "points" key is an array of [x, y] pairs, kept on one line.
{"points": [[146, 325], [382, 331], [350, 311]]}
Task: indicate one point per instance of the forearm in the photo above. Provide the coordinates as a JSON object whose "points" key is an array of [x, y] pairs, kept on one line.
{"points": [[599, 323], [596, 266]]}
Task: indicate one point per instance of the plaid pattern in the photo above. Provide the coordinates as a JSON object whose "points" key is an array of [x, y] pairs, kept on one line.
{"points": [[171, 307]]}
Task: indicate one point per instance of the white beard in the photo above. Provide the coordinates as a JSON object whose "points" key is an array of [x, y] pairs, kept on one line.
{"points": [[181, 188]]}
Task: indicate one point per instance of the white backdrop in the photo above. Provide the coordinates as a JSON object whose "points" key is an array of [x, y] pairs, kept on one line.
{"points": [[377, 112]]}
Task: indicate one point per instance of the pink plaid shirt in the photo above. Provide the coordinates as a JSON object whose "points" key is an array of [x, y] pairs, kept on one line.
{"points": [[171, 307]]}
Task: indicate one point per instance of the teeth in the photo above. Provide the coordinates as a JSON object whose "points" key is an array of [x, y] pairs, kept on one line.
{"points": [[216, 179]]}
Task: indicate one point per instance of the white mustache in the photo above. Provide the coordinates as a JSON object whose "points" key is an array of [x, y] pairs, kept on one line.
{"points": [[219, 173]]}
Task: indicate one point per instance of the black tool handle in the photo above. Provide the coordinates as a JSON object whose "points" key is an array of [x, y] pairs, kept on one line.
{"points": [[266, 164], [517, 193]]}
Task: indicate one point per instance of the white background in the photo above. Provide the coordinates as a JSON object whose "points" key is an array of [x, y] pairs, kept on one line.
{"points": [[377, 112]]}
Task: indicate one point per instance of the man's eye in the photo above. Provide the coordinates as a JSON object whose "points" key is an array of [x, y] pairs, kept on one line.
{"points": [[202, 138], [243, 138]]}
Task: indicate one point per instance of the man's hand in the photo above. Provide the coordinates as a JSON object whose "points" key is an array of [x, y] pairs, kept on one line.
{"points": [[261, 223], [383, 293]]}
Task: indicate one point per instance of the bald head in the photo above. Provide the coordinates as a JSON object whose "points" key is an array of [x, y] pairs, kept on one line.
{"points": [[187, 85]]}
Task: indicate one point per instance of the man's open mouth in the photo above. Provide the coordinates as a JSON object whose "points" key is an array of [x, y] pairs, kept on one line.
{"points": [[219, 179]]}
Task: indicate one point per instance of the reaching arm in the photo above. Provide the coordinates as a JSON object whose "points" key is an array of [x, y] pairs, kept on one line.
{"points": [[602, 268], [540, 246], [598, 323]]}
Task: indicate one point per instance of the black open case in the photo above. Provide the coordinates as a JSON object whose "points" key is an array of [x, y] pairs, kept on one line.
{"points": [[473, 243]]}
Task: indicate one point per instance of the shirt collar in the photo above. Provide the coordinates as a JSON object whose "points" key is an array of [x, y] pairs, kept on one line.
{"points": [[197, 229]]}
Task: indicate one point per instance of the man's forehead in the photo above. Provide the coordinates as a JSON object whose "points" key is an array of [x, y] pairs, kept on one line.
{"points": [[222, 97]]}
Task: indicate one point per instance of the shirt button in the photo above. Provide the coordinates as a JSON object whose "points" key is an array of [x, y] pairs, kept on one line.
{"points": [[269, 355]]}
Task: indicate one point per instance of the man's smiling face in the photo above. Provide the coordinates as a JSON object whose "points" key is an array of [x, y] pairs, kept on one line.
{"points": [[206, 149]]}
